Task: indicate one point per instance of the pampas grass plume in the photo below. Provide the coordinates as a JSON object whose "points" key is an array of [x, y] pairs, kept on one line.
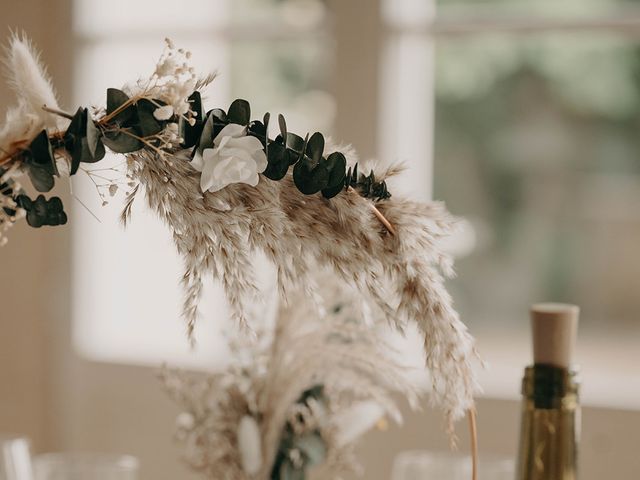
{"points": [[29, 80]]}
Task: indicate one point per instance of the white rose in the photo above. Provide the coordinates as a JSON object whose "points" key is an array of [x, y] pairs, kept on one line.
{"points": [[234, 158]]}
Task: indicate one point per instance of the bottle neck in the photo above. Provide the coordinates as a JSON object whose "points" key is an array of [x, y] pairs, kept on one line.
{"points": [[550, 424], [550, 387]]}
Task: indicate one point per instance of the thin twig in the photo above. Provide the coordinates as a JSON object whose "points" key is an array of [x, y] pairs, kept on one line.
{"points": [[121, 108], [377, 213], [86, 208], [473, 430], [55, 111]]}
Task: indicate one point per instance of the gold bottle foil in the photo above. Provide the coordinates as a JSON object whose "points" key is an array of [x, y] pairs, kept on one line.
{"points": [[550, 426]]}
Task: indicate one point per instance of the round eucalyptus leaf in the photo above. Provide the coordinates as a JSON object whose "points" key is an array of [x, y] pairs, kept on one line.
{"points": [[122, 141], [336, 164], [41, 178], [315, 147], [239, 112], [115, 99], [310, 179], [278, 162], [146, 121]]}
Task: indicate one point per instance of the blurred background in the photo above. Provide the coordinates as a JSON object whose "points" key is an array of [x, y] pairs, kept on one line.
{"points": [[523, 116]]}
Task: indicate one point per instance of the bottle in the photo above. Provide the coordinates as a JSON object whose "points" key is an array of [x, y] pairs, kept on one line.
{"points": [[550, 424]]}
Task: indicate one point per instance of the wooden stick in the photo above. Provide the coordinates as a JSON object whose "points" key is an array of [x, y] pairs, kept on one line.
{"points": [[474, 442], [383, 220], [55, 111]]}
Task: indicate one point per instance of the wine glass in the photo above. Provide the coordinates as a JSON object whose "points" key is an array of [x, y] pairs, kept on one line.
{"points": [[85, 466], [424, 465], [15, 458]]}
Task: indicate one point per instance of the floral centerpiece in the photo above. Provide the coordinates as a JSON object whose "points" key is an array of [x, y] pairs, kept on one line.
{"points": [[226, 185]]}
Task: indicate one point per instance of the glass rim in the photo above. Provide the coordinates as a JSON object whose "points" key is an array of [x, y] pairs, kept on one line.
{"points": [[111, 460], [435, 455]]}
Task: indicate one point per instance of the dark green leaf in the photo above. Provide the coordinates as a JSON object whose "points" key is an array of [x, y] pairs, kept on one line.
{"points": [[207, 134], [295, 142], [24, 202], [41, 178], [257, 129], [93, 135], [100, 152], [34, 220], [331, 192], [41, 153], [309, 178], [9, 211], [115, 99], [195, 105], [219, 115], [122, 141], [73, 138], [239, 112], [315, 147], [313, 448], [80, 138], [191, 133], [265, 122], [146, 122], [278, 162], [283, 125], [304, 148], [42, 212], [336, 164]]}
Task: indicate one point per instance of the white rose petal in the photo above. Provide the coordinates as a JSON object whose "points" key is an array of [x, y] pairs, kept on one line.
{"points": [[234, 158], [163, 113], [250, 445]]}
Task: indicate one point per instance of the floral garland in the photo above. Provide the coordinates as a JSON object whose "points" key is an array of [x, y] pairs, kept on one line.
{"points": [[226, 147], [225, 190]]}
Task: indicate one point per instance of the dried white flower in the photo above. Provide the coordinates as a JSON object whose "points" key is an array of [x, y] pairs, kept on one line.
{"points": [[357, 420], [249, 444], [165, 67], [235, 158], [163, 113]]}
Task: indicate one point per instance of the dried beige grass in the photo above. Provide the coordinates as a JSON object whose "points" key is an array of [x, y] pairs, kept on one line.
{"points": [[403, 275]]}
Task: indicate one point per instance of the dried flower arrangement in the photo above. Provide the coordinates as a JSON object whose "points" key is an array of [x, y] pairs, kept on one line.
{"points": [[225, 189], [297, 397]]}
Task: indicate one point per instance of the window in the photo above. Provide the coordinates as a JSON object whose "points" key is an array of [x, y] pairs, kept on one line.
{"points": [[522, 116], [536, 145], [126, 298]]}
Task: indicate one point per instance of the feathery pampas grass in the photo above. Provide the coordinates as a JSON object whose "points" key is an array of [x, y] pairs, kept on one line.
{"points": [[29, 80], [238, 424], [217, 233], [400, 274]]}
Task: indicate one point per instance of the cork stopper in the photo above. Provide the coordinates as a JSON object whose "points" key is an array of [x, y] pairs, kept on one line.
{"points": [[555, 326]]}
